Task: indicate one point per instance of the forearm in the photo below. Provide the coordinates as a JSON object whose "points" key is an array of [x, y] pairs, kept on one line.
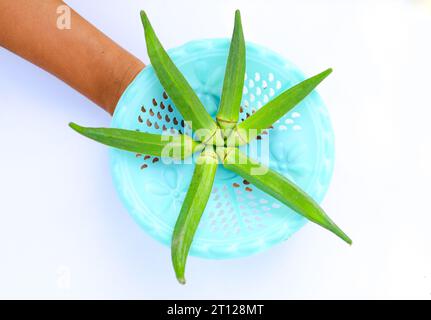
{"points": [[81, 56]]}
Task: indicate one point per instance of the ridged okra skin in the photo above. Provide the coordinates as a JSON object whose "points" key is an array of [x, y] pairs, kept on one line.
{"points": [[280, 188], [193, 207]]}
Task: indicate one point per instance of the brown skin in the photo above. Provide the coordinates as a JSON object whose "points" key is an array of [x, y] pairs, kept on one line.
{"points": [[82, 56]]}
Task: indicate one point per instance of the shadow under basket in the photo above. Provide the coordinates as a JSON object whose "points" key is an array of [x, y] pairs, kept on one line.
{"points": [[239, 219]]}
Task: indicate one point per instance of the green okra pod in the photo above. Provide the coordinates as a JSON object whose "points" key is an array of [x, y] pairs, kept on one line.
{"points": [[280, 188], [191, 212], [233, 84], [177, 146], [275, 109], [177, 87]]}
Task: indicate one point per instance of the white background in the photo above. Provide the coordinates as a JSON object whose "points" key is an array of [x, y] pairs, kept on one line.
{"points": [[65, 234]]}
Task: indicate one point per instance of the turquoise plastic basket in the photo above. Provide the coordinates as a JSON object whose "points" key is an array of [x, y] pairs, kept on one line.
{"points": [[239, 219]]}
